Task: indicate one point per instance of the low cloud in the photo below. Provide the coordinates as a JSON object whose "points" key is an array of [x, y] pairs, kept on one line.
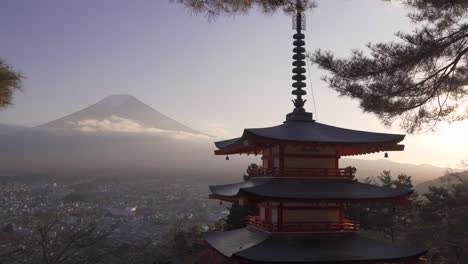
{"points": [[124, 125], [218, 129]]}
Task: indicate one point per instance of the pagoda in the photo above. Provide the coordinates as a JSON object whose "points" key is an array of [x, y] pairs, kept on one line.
{"points": [[301, 192]]}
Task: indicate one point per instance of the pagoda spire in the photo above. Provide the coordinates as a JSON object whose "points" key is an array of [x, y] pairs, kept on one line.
{"points": [[299, 113]]}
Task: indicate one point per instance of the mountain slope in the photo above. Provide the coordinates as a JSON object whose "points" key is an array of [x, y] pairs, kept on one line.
{"points": [[125, 109], [119, 135], [445, 181], [373, 168]]}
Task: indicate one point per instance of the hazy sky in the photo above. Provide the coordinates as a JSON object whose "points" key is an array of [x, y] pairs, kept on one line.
{"points": [[217, 77]]}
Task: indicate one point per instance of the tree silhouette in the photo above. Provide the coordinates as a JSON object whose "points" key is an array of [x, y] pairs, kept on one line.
{"points": [[10, 81], [387, 221], [51, 239], [214, 8], [237, 214], [421, 79]]}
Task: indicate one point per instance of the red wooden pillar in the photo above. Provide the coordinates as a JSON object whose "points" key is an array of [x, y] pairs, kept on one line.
{"points": [[268, 214], [341, 217], [341, 208], [281, 160], [280, 216], [271, 163]]}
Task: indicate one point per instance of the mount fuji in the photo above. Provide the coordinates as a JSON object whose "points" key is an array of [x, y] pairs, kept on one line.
{"points": [[123, 113], [119, 135]]}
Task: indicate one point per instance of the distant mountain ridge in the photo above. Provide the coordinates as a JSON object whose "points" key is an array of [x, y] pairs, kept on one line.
{"points": [[118, 108], [446, 181], [372, 168]]}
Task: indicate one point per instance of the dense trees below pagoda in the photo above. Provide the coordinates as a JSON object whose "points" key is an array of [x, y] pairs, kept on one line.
{"points": [[435, 220], [385, 220], [440, 223], [237, 214]]}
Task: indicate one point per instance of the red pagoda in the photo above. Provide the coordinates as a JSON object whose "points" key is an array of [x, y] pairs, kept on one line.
{"points": [[301, 192]]}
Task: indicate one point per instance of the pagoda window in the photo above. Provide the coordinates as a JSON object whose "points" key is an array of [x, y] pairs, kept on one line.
{"points": [[304, 162], [262, 214], [275, 150], [309, 150], [241, 202], [276, 162], [311, 215], [274, 215], [267, 158]]}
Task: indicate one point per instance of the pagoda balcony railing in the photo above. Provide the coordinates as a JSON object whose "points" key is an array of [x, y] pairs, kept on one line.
{"points": [[296, 227], [302, 172]]}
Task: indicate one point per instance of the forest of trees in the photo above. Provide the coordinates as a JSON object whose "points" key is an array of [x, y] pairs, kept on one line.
{"points": [[436, 220], [52, 238]]}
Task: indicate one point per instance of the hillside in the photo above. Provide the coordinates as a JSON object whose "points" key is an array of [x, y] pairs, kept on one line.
{"points": [[445, 181], [373, 168]]}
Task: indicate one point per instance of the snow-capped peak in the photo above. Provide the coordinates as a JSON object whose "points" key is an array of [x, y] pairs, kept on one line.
{"points": [[117, 99]]}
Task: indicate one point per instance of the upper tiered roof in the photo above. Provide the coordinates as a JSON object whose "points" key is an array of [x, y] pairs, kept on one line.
{"points": [[352, 142]]}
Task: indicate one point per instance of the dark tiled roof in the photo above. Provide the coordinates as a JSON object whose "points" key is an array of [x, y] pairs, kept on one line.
{"points": [[314, 132], [251, 244], [308, 189], [225, 143], [231, 190], [230, 242]]}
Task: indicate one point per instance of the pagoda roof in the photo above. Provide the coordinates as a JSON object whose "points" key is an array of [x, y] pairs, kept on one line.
{"points": [[290, 188], [308, 132], [255, 245]]}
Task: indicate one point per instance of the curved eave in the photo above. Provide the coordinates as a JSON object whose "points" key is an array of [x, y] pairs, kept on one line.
{"points": [[308, 190], [227, 143], [349, 142], [386, 138], [238, 239], [256, 199], [260, 247]]}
